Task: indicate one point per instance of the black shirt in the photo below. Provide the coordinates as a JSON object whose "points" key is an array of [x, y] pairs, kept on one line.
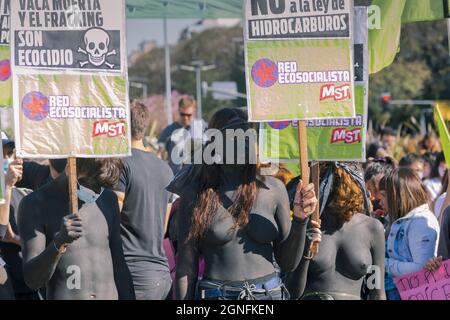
{"points": [[143, 180]]}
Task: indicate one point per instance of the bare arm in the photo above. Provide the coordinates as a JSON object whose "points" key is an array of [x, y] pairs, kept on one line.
{"points": [[39, 261], [188, 255], [13, 175], [289, 247], [161, 153], [376, 281], [166, 224], [122, 276], [11, 237], [297, 280]]}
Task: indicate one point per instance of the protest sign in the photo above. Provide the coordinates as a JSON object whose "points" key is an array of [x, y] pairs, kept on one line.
{"points": [[328, 139], [70, 79], [425, 285], [64, 115], [5, 64], [68, 35], [299, 59]]}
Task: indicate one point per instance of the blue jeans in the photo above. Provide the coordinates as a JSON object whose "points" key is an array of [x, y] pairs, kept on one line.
{"points": [[393, 294], [269, 287]]}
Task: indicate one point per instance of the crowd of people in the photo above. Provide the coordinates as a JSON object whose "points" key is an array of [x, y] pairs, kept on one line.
{"points": [[149, 228]]}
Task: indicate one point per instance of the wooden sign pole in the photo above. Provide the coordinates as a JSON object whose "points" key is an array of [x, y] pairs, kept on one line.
{"points": [[303, 147], [315, 172], [73, 196]]}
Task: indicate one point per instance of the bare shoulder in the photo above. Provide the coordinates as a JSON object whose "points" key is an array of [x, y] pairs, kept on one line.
{"points": [[271, 184], [372, 224]]}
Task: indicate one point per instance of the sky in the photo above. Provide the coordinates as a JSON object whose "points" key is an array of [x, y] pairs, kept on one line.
{"points": [[139, 30]]}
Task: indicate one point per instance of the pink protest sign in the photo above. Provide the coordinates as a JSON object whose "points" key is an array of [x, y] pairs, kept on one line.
{"points": [[425, 285]]}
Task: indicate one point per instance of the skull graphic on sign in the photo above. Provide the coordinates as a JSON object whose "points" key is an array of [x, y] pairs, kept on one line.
{"points": [[97, 41]]}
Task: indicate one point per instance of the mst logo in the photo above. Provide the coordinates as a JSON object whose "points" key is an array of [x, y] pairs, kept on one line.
{"points": [[337, 93], [110, 129], [347, 136]]}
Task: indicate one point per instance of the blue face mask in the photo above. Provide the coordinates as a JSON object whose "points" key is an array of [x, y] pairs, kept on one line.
{"points": [[87, 195], [6, 164]]}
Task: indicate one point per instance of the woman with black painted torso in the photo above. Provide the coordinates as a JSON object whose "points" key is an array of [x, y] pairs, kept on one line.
{"points": [[352, 243], [239, 222]]}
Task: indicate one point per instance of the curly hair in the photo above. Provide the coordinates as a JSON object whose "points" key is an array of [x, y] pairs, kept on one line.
{"points": [[347, 198]]}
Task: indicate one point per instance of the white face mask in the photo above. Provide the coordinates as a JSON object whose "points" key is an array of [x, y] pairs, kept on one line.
{"points": [[87, 195]]}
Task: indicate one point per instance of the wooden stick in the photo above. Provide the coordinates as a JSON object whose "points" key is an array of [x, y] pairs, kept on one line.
{"points": [[316, 215], [303, 147], [73, 196], [315, 172]]}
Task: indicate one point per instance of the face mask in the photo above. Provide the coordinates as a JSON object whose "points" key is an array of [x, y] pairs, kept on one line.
{"points": [[442, 171], [87, 195], [6, 164]]}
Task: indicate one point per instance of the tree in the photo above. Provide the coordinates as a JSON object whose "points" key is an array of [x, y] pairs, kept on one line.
{"points": [[420, 71], [220, 46]]}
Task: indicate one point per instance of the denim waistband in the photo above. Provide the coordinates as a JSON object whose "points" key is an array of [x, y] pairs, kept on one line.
{"points": [[238, 289]]}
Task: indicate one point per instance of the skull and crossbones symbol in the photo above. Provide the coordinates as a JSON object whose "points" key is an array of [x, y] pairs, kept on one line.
{"points": [[96, 41]]}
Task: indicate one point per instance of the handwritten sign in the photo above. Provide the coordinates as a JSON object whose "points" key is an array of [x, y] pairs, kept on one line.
{"points": [[425, 285]]}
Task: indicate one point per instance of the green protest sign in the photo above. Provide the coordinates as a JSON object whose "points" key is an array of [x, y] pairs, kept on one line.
{"points": [[70, 79], [55, 118], [5, 77], [299, 60], [328, 139], [5, 65]]}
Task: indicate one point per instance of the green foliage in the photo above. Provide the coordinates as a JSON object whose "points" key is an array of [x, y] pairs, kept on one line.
{"points": [[421, 71], [220, 46]]}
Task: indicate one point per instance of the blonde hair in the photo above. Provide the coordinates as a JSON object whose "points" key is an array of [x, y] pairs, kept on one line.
{"points": [[187, 102]]}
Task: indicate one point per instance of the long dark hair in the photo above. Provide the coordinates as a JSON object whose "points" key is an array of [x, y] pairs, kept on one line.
{"points": [[208, 200]]}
